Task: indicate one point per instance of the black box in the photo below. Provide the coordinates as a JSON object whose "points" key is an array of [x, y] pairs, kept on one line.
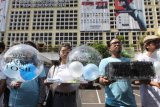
{"points": [[129, 70]]}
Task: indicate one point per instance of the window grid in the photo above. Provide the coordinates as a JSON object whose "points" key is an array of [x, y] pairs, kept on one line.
{"points": [[158, 15], [150, 18], [45, 38], [111, 35], [148, 2], [111, 3], [43, 20], [14, 38], [66, 37], [19, 20], [26, 4], [136, 39], [2, 37], [112, 19], [72, 3], [157, 2], [67, 19], [90, 37], [62, 21]]}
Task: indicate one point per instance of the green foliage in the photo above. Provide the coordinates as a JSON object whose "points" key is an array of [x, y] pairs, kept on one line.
{"points": [[101, 48], [56, 48], [121, 38], [105, 53], [126, 54], [140, 42]]}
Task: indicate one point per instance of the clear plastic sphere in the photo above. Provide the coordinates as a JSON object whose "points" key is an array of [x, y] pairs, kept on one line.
{"points": [[76, 69], [22, 62], [85, 55], [91, 72]]}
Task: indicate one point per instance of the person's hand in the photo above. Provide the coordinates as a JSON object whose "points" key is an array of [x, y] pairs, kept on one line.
{"points": [[82, 86], [139, 82], [105, 81], [136, 82], [153, 83], [47, 83], [16, 85]]}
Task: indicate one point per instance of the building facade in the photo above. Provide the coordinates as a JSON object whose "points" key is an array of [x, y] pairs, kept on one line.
{"points": [[59, 22]]}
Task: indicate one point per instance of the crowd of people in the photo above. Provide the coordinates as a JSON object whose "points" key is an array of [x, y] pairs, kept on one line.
{"points": [[118, 93]]}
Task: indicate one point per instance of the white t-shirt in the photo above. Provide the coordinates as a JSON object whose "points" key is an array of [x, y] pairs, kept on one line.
{"points": [[64, 74], [150, 95]]}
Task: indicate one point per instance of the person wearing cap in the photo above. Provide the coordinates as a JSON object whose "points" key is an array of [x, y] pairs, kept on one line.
{"points": [[150, 89]]}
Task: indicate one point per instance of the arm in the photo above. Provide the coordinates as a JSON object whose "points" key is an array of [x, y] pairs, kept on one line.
{"points": [[104, 81], [147, 82], [153, 83], [49, 75], [42, 91], [14, 84], [2, 86]]}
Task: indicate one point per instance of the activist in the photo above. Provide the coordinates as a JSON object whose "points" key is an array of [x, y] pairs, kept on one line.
{"points": [[150, 89], [27, 94], [64, 94], [118, 93]]}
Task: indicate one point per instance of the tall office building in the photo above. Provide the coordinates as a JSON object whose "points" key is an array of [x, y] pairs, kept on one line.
{"points": [[78, 22]]}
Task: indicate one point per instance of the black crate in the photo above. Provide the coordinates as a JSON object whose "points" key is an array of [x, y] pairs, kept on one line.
{"points": [[129, 70]]}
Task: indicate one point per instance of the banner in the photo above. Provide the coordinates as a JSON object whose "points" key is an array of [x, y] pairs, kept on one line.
{"points": [[42, 3], [95, 15], [130, 14], [3, 14]]}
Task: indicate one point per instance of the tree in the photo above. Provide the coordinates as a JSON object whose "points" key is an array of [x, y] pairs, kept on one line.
{"points": [[56, 48], [121, 38], [140, 42], [101, 48]]}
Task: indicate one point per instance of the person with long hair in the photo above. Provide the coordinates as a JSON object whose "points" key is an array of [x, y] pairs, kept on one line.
{"points": [[65, 94]]}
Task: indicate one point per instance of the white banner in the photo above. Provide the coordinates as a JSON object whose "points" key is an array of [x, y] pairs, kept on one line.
{"points": [[95, 15], [42, 3], [130, 14], [3, 14]]}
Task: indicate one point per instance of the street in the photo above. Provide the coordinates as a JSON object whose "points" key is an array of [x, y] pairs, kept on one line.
{"points": [[95, 97]]}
